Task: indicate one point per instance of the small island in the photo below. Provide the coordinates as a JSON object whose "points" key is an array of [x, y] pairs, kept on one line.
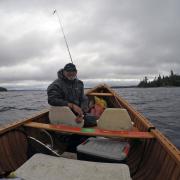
{"points": [[164, 81], [2, 89]]}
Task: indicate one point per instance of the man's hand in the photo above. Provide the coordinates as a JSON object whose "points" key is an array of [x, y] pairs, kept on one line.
{"points": [[79, 119], [76, 108]]}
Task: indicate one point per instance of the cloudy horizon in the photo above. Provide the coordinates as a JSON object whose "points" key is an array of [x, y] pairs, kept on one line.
{"points": [[116, 42]]}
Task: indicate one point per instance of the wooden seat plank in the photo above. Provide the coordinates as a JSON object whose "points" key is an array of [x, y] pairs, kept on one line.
{"points": [[100, 94], [91, 131]]}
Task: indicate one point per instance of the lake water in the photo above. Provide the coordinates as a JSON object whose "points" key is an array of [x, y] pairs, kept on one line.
{"points": [[160, 105]]}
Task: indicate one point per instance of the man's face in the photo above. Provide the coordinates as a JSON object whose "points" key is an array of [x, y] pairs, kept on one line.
{"points": [[70, 75]]}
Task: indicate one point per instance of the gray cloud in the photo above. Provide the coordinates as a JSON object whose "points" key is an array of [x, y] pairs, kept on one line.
{"points": [[117, 39], [29, 46]]}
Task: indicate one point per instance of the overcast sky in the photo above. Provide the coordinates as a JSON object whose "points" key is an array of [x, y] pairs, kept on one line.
{"points": [[112, 41]]}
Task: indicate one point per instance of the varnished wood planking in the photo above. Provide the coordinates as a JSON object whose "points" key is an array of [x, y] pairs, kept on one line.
{"points": [[149, 168], [12, 156], [168, 146], [176, 173]]}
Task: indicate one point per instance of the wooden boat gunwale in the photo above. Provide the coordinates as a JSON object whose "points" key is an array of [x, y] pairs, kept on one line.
{"points": [[16, 124]]}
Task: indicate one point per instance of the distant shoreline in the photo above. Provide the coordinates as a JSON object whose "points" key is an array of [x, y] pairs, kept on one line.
{"points": [[173, 80], [116, 87], [2, 89], [86, 88]]}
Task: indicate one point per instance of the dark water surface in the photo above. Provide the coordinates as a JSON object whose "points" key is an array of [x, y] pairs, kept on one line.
{"points": [[160, 105]]}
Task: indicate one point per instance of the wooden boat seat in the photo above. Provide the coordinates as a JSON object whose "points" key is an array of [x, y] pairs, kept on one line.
{"points": [[63, 115], [100, 94], [90, 131], [45, 167], [115, 119]]}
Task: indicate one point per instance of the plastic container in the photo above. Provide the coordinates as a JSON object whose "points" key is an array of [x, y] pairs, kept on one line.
{"points": [[103, 150]]}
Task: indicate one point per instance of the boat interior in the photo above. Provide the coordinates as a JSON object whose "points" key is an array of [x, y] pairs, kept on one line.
{"points": [[144, 153]]}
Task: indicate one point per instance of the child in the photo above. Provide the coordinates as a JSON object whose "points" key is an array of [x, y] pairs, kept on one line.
{"points": [[97, 106]]}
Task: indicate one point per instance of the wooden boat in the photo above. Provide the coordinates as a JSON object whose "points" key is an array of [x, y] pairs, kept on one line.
{"points": [[153, 157]]}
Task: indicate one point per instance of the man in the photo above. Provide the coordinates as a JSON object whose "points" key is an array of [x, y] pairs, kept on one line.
{"points": [[67, 90]]}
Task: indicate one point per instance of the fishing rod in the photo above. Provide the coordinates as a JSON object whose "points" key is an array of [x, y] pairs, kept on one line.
{"points": [[61, 26]]}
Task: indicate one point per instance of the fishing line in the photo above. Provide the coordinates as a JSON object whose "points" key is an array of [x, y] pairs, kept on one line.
{"points": [[61, 26]]}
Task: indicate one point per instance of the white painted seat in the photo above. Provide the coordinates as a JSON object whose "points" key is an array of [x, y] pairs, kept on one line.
{"points": [[115, 119], [45, 167], [63, 115]]}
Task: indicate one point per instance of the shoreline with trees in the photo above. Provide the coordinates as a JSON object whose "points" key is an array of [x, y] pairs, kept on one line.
{"points": [[173, 80], [2, 89]]}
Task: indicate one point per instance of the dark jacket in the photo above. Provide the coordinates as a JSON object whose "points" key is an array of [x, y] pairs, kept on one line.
{"points": [[63, 91]]}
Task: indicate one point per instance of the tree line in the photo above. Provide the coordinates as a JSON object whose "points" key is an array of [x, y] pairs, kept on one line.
{"points": [[161, 81], [3, 89]]}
